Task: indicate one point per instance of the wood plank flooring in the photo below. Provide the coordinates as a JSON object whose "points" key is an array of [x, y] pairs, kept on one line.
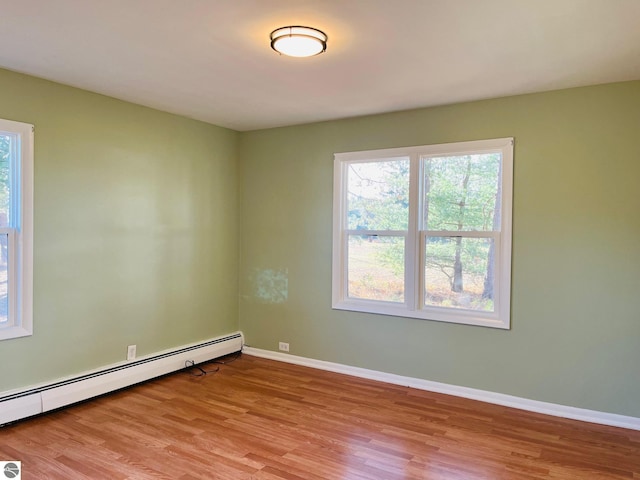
{"points": [[260, 419]]}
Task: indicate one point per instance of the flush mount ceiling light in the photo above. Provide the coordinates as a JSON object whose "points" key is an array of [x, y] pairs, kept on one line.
{"points": [[298, 41]]}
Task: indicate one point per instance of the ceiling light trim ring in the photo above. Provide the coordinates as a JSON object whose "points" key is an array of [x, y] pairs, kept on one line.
{"points": [[302, 32]]}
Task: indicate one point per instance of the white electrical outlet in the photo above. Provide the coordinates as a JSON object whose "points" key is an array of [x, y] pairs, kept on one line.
{"points": [[131, 352], [284, 347]]}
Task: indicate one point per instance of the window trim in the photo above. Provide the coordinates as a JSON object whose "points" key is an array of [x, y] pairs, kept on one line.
{"points": [[20, 234], [413, 306]]}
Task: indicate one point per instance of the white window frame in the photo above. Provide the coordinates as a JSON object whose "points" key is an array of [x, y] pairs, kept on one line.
{"points": [[20, 232], [413, 306]]}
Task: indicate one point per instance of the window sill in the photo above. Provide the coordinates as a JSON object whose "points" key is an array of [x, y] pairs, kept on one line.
{"points": [[14, 332], [464, 317]]}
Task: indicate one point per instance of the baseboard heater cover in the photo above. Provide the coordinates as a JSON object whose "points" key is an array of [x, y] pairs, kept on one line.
{"points": [[33, 401]]}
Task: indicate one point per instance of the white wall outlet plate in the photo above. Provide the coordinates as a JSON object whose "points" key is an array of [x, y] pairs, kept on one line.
{"points": [[284, 347], [131, 352]]}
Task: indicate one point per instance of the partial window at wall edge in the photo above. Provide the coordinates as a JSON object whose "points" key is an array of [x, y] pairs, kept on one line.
{"points": [[16, 229]]}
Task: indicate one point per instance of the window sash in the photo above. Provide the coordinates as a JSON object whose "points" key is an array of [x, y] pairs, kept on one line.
{"points": [[497, 282], [379, 234]]}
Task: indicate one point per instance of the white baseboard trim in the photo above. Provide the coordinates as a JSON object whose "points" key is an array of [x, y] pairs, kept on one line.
{"points": [[574, 413]]}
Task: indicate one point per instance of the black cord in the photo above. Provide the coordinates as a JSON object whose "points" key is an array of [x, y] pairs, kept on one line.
{"points": [[198, 371], [190, 364]]}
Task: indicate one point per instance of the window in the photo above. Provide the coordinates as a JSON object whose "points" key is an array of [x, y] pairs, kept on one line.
{"points": [[16, 228], [425, 232]]}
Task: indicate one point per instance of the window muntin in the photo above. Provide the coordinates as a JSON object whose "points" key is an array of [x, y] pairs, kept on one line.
{"points": [[425, 232], [16, 228]]}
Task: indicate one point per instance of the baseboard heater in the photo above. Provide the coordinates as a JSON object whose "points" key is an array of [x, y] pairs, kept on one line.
{"points": [[20, 404]]}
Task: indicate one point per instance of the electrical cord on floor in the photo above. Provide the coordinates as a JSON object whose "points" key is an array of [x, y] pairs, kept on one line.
{"points": [[197, 370]]}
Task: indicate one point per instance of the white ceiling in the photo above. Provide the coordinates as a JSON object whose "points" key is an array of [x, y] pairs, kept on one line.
{"points": [[211, 59]]}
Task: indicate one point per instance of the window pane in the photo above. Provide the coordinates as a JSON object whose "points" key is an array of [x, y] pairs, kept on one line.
{"points": [[376, 268], [462, 193], [4, 302], [378, 195], [6, 147], [459, 273]]}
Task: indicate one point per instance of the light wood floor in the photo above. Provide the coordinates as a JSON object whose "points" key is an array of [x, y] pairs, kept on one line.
{"points": [[260, 419]]}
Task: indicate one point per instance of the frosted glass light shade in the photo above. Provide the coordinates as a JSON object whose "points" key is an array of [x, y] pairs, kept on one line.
{"points": [[298, 41]]}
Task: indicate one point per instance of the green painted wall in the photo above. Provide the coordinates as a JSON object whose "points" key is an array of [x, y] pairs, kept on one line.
{"points": [[576, 257], [137, 235], [135, 230]]}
